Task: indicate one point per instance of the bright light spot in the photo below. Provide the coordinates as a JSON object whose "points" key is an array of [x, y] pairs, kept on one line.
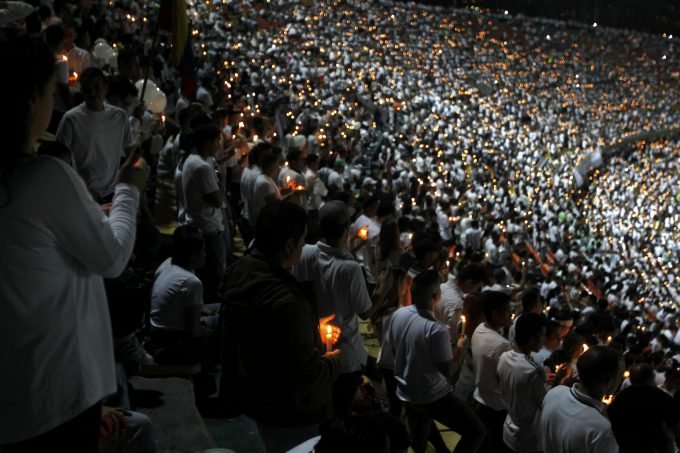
{"points": [[548, 37], [594, 24], [506, 12], [664, 57]]}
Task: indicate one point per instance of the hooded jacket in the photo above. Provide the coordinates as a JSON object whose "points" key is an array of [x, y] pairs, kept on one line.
{"points": [[272, 331]]}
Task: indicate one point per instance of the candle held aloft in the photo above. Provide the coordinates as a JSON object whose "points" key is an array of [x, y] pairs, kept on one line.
{"points": [[462, 324]]}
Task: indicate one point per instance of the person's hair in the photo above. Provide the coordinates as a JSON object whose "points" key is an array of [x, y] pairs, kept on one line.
{"points": [[186, 142], [266, 160], [54, 34], [55, 149], [89, 75], [187, 240], [312, 159], [499, 276], [121, 87], [204, 134], [528, 326], [422, 245], [530, 298], [386, 292], [386, 207], [472, 272], [125, 57], [184, 116], [32, 67], [256, 152], [370, 202], [422, 287], [293, 155], [278, 222], [642, 374], [494, 301], [388, 239], [641, 417], [598, 365]]}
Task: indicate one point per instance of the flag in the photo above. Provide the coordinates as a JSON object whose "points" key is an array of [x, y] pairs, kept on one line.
{"points": [[173, 18]]}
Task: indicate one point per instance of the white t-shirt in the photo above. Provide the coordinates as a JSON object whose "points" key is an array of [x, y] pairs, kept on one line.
{"points": [[263, 188], [78, 59], [523, 388], [61, 71], [288, 175], [56, 348], [198, 180], [573, 422], [175, 289], [487, 347], [340, 290], [417, 343], [450, 307], [205, 98], [97, 141], [248, 179]]}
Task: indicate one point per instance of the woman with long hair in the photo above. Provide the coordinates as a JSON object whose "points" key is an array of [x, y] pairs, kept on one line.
{"points": [[56, 347]]}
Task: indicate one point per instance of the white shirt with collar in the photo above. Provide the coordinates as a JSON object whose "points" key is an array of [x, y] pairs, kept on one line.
{"points": [[340, 290], [487, 347], [416, 342], [573, 422], [522, 384]]}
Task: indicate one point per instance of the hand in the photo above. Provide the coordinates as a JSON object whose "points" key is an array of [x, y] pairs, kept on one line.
{"points": [[324, 323], [550, 378], [461, 341], [113, 421], [134, 171], [335, 354], [106, 208]]}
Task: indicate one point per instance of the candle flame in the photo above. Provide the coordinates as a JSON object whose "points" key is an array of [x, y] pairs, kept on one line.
{"points": [[585, 348], [607, 399], [363, 233]]}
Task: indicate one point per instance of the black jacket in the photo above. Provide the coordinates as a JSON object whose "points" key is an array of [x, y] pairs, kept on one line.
{"points": [[273, 336]]}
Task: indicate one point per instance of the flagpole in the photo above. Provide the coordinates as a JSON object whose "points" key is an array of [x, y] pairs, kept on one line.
{"points": [[152, 55]]}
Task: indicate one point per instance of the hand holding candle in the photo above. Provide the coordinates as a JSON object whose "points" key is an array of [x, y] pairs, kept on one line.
{"points": [[462, 324], [329, 333], [363, 233]]}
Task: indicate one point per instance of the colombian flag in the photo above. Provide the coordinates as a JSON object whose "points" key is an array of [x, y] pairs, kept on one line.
{"points": [[173, 18]]}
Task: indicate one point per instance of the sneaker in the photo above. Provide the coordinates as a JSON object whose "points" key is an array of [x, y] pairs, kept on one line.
{"points": [[128, 349]]}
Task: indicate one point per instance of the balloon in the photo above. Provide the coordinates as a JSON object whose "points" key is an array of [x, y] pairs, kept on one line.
{"points": [[149, 92], [158, 101], [102, 51]]}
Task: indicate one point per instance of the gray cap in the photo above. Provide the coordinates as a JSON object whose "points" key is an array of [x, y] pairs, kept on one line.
{"points": [[336, 212]]}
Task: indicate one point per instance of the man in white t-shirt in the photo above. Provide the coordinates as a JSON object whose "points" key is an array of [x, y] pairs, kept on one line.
{"points": [[178, 314], [265, 190], [420, 350], [78, 59], [204, 204], [574, 419], [341, 291], [291, 177], [487, 345], [98, 135], [523, 385]]}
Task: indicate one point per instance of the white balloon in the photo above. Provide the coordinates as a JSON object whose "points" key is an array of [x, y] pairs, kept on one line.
{"points": [[158, 101], [150, 90], [102, 51]]}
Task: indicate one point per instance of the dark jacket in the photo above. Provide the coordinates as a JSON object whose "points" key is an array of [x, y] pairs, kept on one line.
{"points": [[283, 378]]}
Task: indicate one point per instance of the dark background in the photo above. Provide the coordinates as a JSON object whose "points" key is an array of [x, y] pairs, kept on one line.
{"points": [[657, 16]]}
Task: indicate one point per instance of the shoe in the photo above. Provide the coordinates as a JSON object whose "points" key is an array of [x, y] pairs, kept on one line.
{"points": [[128, 349]]}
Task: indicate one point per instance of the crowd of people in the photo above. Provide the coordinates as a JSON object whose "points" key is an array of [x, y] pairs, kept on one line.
{"points": [[421, 169]]}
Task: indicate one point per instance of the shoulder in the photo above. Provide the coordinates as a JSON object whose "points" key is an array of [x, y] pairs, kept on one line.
{"points": [[115, 111]]}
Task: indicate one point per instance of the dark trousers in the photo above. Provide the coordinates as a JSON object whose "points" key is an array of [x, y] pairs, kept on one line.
{"points": [[451, 412], [493, 420], [78, 435], [344, 390]]}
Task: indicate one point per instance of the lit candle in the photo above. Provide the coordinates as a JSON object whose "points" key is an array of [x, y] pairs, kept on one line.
{"points": [[585, 348], [329, 338], [609, 340], [607, 399], [462, 324], [363, 233]]}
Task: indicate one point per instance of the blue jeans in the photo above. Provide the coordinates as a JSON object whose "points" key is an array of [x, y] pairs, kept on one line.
{"points": [[280, 440]]}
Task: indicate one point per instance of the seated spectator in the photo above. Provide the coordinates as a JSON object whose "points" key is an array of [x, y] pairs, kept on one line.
{"points": [[272, 324], [178, 313], [574, 418]]}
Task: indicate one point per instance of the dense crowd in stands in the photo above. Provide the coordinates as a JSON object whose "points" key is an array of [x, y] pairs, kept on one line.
{"points": [[496, 197]]}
